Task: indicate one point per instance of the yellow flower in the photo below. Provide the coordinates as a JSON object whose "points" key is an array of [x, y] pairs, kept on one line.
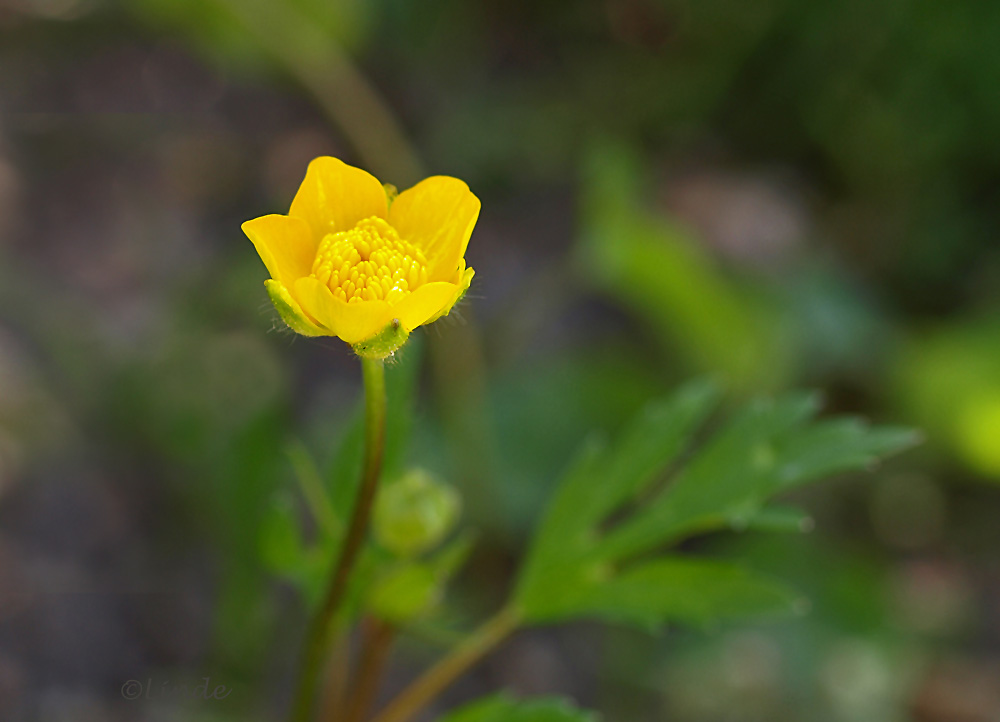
{"points": [[350, 261]]}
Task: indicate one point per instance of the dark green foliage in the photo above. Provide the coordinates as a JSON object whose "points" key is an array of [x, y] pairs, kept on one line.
{"points": [[502, 708], [596, 550]]}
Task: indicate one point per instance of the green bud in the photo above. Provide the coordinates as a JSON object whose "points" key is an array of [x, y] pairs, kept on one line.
{"points": [[405, 592], [414, 514]]}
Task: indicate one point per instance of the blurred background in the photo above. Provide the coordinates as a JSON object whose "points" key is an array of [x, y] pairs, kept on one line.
{"points": [[776, 193]]}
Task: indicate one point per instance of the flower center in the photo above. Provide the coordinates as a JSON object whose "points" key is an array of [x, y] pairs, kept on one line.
{"points": [[370, 262]]}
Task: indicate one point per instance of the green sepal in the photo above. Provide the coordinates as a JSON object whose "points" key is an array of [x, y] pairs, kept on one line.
{"points": [[290, 311], [414, 513], [391, 192], [406, 592], [385, 343], [411, 590]]}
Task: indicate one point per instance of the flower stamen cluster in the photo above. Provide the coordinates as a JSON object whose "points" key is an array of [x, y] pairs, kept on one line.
{"points": [[369, 262]]}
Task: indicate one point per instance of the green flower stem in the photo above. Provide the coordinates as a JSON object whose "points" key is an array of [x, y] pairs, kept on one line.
{"points": [[322, 629], [435, 680]]}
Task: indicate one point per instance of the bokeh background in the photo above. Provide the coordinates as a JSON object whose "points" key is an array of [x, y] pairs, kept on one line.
{"points": [[780, 194]]}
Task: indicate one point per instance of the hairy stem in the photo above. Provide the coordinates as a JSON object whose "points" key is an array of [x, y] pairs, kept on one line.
{"points": [[321, 631]]}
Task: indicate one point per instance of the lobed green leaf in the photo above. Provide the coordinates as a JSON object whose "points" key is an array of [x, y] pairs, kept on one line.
{"points": [[502, 708], [595, 553]]}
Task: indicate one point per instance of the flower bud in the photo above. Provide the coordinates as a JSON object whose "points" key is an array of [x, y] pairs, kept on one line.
{"points": [[405, 593], [414, 514]]}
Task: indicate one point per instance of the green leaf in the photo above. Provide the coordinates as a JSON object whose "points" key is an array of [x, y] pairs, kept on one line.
{"points": [[311, 486], [780, 518], [689, 591], [765, 449], [659, 270], [447, 561], [595, 551], [654, 439], [503, 708], [284, 551], [597, 482], [281, 546]]}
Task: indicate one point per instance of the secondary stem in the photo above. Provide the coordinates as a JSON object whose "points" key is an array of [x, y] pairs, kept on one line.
{"points": [[378, 638], [306, 52], [435, 680], [322, 627], [336, 688]]}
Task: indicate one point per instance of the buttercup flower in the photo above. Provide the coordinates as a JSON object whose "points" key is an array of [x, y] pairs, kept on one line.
{"points": [[353, 261]]}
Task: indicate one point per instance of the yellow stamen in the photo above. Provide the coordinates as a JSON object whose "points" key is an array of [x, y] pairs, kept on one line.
{"points": [[370, 262]]}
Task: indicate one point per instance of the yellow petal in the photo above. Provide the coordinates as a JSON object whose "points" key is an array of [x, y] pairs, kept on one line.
{"points": [[352, 322], [291, 312], [334, 196], [424, 303], [464, 279], [437, 215], [285, 244]]}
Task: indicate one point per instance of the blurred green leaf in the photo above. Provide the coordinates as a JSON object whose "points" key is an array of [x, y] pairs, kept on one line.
{"points": [[661, 272], [594, 485], [567, 394], [765, 449], [588, 557], [948, 380], [311, 486], [452, 556], [691, 591], [502, 708], [281, 543], [780, 518], [222, 31]]}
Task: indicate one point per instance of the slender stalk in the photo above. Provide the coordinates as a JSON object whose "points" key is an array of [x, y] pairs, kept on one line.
{"points": [[378, 639], [435, 680], [307, 53], [322, 628], [337, 679], [311, 485]]}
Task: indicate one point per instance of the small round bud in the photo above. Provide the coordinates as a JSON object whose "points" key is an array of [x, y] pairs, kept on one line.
{"points": [[414, 513], [405, 593]]}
